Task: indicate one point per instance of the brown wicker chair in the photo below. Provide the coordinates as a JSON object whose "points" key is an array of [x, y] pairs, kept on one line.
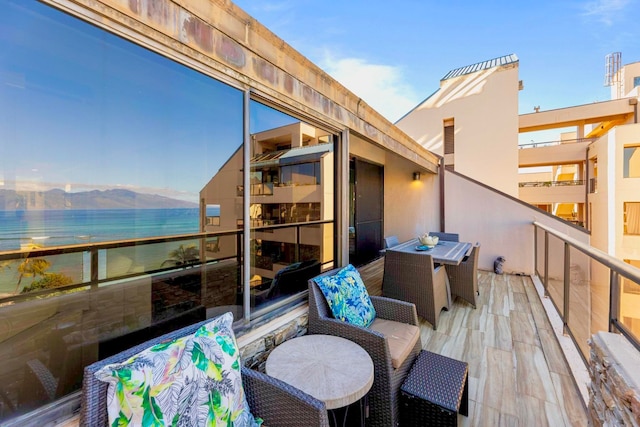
{"points": [[463, 278], [278, 403], [412, 277], [385, 393]]}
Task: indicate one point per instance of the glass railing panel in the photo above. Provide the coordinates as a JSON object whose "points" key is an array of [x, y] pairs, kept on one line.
{"points": [[281, 271], [599, 287], [27, 273], [630, 306], [555, 281], [150, 257], [579, 315]]}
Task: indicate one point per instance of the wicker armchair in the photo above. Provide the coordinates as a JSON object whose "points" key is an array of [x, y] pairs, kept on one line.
{"points": [[385, 392], [412, 277], [450, 237], [463, 278], [278, 403]]}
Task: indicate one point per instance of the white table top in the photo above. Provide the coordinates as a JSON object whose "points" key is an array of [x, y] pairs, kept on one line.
{"points": [[332, 369]]}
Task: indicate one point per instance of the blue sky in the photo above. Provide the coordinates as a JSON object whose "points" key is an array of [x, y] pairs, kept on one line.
{"points": [[393, 54]]}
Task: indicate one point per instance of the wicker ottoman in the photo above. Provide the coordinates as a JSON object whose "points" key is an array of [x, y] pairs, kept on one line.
{"points": [[434, 392]]}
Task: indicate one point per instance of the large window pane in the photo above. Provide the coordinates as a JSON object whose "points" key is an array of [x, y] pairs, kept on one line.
{"points": [[106, 145], [292, 181]]}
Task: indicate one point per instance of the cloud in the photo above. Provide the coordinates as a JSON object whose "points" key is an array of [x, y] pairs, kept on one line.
{"points": [[605, 11], [381, 86]]}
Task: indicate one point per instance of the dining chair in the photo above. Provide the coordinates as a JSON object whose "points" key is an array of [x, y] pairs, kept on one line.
{"points": [[412, 277], [463, 278], [450, 237], [391, 241]]}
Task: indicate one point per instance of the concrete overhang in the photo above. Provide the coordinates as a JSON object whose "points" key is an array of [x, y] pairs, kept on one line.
{"points": [[615, 110]]}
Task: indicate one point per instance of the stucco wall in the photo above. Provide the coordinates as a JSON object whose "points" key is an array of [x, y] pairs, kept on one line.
{"points": [[499, 223], [627, 190], [484, 106]]}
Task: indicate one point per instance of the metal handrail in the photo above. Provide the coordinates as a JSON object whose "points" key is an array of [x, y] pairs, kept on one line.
{"points": [[614, 264], [617, 268], [554, 143], [93, 249], [67, 249], [551, 183]]}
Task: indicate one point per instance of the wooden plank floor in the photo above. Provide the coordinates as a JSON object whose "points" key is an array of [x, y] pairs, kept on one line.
{"points": [[517, 373]]}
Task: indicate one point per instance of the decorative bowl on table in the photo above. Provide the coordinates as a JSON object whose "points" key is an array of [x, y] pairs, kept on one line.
{"points": [[426, 240]]}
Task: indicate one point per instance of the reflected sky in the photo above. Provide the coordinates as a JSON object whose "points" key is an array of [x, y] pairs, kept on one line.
{"points": [[84, 109]]}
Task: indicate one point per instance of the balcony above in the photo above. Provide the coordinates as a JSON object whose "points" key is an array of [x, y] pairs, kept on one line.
{"points": [[553, 153]]}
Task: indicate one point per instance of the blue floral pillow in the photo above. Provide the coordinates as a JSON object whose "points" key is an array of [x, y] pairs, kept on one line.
{"points": [[347, 296]]}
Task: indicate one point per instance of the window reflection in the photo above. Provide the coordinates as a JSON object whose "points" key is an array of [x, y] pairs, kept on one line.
{"points": [[103, 142], [291, 180]]}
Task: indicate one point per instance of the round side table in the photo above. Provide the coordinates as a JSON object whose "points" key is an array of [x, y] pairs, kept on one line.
{"points": [[332, 369]]}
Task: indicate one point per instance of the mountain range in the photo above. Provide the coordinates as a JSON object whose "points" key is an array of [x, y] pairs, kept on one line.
{"points": [[95, 199]]}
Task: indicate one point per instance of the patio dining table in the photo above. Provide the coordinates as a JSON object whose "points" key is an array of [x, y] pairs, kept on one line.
{"points": [[445, 252]]}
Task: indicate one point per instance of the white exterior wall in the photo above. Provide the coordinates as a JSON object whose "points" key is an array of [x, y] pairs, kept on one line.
{"points": [[484, 106], [501, 225], [627, 190], [599, 216], [627, 73], [547, 195]]}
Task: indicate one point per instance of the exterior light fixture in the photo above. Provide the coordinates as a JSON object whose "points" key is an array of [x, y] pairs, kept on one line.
{"points": [[416, 176]]}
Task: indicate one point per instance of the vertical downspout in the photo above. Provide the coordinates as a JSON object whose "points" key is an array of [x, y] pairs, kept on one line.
{"points": [[441, 172], [587, 189], [342, 184]]}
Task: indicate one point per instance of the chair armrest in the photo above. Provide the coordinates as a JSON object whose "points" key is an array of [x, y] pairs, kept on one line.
{"points": [[280, 404], [393, 309]]}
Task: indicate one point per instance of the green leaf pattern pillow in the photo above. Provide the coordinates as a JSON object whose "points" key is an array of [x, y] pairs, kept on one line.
{"points": [[347, 296], [191, 381]]}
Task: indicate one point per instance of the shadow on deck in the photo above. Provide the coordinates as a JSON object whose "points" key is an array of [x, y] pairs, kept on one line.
{"points": [[518, 375]]}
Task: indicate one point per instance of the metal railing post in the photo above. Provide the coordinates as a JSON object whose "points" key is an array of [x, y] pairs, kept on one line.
{"points": [[567, 285], [94, 267], [297, 243], [546, 263], [614, 298], [535, 250]]}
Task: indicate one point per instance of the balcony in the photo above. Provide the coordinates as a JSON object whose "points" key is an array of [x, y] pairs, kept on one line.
{"points": [[518, 374], [553, 153], [548, 192], [517, 371]]}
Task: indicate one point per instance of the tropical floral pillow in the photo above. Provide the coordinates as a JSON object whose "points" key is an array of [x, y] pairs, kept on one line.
{"points": [[191, 381], [347, 296]]}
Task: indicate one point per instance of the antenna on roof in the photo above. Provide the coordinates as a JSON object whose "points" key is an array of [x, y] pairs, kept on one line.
{"points": [[612, 64]]}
